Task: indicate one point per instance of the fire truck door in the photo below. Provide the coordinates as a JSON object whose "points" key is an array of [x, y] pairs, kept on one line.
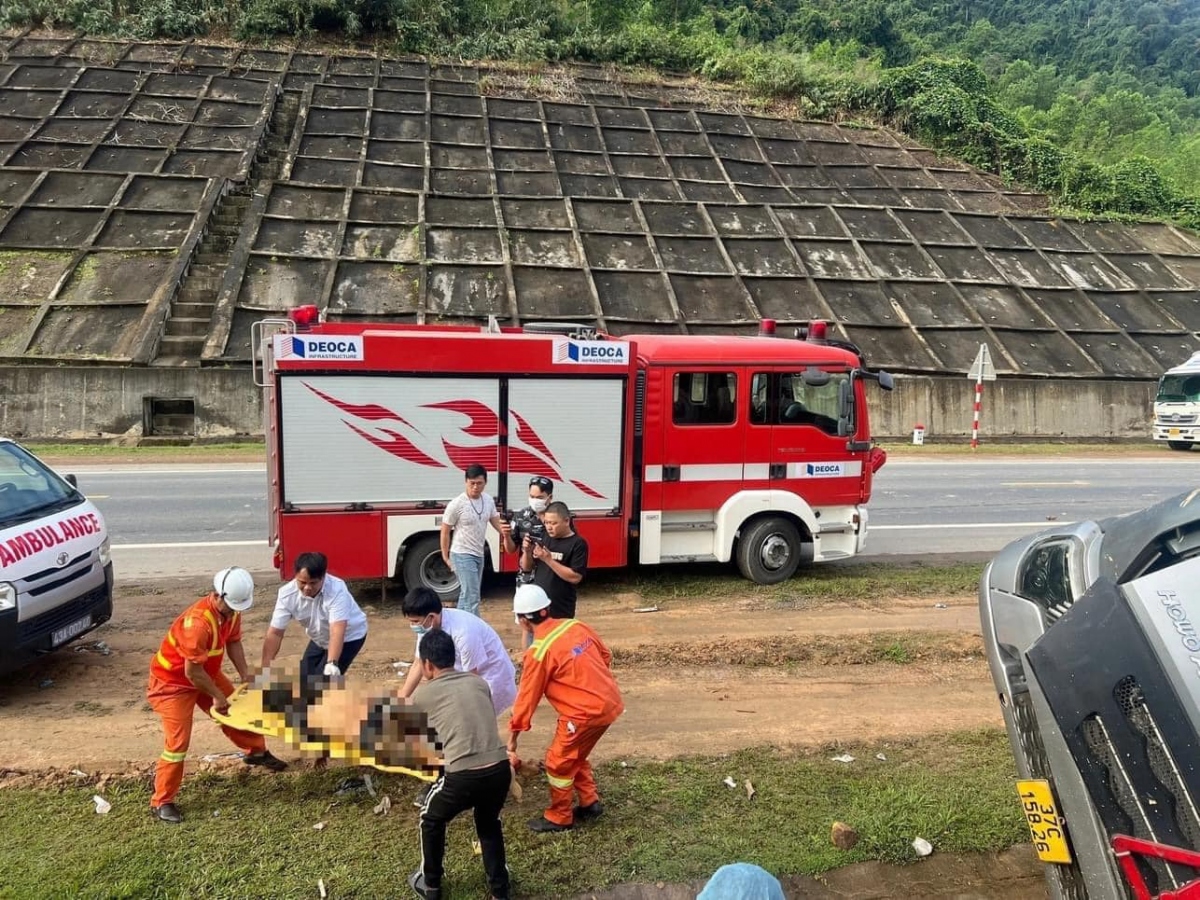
{"points": [[702, 443], [807, 455]]}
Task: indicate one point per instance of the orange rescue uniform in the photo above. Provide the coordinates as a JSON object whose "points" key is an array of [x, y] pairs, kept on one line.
{"points": [[569, 665], [199, 635]]}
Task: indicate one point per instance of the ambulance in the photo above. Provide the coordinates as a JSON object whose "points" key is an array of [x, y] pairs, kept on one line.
{"points": [[56, 573], [666, 447]]}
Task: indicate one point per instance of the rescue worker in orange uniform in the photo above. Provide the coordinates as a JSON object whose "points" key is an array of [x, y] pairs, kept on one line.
{"points": [[569, 664], [186, 673]]}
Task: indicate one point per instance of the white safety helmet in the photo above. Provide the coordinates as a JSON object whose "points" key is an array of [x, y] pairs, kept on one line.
{"points": [[529, 599], [236, 587]]}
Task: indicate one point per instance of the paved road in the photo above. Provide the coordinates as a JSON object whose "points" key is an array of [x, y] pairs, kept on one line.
{"points": [[190, 519]]}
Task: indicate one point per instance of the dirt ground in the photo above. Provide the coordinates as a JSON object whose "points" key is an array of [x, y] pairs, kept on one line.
{"points": [[682, 671]]}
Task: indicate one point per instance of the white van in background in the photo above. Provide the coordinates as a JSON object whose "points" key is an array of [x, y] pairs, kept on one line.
{"points": [[56, 574]]}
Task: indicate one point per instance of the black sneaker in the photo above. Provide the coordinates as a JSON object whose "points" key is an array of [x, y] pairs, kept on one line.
{"points": [[168, 812], [416, 881], [589, 813], [265, 759], [542, 825]]}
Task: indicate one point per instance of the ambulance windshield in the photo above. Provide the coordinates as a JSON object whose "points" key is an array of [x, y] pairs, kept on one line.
{"points": [[28, 489]]}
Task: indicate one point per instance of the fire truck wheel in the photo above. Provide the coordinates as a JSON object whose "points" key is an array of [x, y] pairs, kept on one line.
{"points": [[423, 567], [768, 550]]}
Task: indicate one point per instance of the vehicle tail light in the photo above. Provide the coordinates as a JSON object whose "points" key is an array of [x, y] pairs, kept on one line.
{"points": [[305, 316]]}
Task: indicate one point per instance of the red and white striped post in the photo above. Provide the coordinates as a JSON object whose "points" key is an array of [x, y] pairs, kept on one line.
{"points": [[978, 403]]}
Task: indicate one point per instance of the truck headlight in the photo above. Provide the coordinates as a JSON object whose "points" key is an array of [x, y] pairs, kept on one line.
{"points": [[105, 552], [8, 596]]}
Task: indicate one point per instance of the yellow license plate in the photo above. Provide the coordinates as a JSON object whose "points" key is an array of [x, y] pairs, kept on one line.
{"points": [[1173, 432], [1045, 824]]}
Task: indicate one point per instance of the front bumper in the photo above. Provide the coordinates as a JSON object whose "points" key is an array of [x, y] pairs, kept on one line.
{"points": [[22, 642]]}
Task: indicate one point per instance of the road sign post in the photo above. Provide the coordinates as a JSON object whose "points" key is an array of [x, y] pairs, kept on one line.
{"points": [[981, 370]]}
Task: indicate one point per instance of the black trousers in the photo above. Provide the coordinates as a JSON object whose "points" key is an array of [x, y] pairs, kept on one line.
{"points": [[312, 664], [481, 790]]}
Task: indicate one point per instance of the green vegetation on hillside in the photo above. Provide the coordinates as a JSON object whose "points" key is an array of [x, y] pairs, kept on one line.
{"points": [[1092, 101]]}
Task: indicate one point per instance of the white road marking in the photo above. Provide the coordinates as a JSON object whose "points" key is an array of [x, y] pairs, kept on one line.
{"points": [[259, 543], [1045, 484], [943, 526]]}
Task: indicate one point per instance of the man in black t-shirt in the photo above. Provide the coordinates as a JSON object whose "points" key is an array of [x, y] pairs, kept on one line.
{"points": [[558, 562]]}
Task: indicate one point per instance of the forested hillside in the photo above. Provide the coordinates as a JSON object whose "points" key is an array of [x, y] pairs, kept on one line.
{"points": [[1093, 101]]}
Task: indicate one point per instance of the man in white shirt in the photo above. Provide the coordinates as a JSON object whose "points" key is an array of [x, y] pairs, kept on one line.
{"points": [[323, 605], [467, 517]]}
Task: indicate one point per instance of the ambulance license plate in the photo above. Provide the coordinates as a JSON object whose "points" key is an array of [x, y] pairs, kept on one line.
{"points": [[1045, 824], [67, 632], [1173, 432]]}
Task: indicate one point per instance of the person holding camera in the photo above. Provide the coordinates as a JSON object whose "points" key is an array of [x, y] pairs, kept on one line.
{"points": [[529, 519], [556, 561]]}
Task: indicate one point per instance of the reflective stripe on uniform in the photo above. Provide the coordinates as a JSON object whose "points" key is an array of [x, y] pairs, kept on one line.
{"points": [[561, 783], [162, 660], [170, 757], [216, 649], [540, 648]]}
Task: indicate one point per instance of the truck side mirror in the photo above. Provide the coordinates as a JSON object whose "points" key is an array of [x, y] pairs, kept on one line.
{"points": [[886, 381], [845, 425]]}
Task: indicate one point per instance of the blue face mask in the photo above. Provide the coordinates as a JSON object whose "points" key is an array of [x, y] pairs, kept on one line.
{"points": [[419, 629]]}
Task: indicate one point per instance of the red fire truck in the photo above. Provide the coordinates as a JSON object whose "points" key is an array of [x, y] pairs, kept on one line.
{"points": [[666, 448]]}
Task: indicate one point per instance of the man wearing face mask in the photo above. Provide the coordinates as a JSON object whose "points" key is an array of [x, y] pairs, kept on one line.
{"points": [[529, 520]]}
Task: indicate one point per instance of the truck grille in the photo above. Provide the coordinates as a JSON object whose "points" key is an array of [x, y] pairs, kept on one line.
{"points": [[1175, 419], [42, 625]]}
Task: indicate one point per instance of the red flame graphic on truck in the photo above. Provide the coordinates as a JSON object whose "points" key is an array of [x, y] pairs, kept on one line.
{"points": [[534, 457]]}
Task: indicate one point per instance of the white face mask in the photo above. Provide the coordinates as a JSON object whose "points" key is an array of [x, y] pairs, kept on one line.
{"points": [[538, 504]]}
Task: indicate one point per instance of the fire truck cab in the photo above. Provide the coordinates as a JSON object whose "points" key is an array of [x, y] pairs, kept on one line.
{"points": [[666, 448]]}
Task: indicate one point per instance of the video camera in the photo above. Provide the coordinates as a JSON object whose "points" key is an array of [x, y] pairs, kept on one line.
{"points": [[537, 533]]}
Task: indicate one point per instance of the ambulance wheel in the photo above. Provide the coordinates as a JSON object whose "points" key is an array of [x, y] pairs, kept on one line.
{"points": [[769, 550], [423, 567], [1180, 445]]}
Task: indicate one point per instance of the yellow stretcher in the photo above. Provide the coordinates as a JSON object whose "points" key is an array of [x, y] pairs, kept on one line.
{"points": [[247, 714]]}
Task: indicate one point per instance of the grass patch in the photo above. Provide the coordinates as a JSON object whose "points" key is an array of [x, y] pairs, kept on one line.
{"points": [[860, 582], [962, 448], [166, 452], [252, 836]]}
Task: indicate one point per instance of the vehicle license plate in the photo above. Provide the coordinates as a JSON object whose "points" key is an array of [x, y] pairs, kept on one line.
{"points": [[1173, 432], [67, 632], [1045, 824]]}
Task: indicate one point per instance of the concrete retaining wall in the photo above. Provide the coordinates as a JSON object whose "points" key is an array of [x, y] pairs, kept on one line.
{"points": [[79, 403]]}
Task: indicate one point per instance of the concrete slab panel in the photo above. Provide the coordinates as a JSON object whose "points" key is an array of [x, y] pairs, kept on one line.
{"points": [[930, 305], [36, 155], [790, 153], [872, 224], [932, 199], [455, 105], [404, 153], [295, 238], [528, 184], [675, 218], [523, 160], [691, 254], [817, 195], [1133, 311], [500, 108], [12, 130], [808, 221], [50, 228], [14, 321], [174, 85], [899, 261], [1117, 355], [350, 81], [139, 52], [1070, 310], [448, 156], [395, 244], [220, 112], [1165, 239], [611, 251], [281, 284], [1167, 349], [460, 181], [265, 60], [139, 160], [207, 138], [1043, 353], [466, 245], [588, 186], [348, 121], [307, 203], [627, 140], [68, 332], [518, 135], [836, 154], [540, 214], [30, 76], [648, 189], [543, 248], [710, 298], [322, 147], [1002, 306], [306, 170], [332, 97], [151, 134], [964, 264], [639, 166], [400, 102], [110, 277], [403, 85], [874, 196], [208, 55], [762, 256], [352, 65], [723, 123], [622, 117], [1027, 269], [1049, 234], [29, 276], [240, 90], [1184, 268], [27, 104], [731, 147], [555, 294], [1087, 270], [394, 209], [906, 179], [375, 289], [786, 299], [675, 143], [993, 202], [15, 185], [896, 349], [956, 348], [460, 211], [672, 120], [64, 189], [405, 68], [750, 173], [581, 163], [696, 168], [707, 192], [575, 137], [832, 259], [859, 302], [476, 291], [171, 110], [92, 104], [455, 130], [1146, 271], [145, 230], [568, 114], [990, 231], [854, 176], [111, 80], [1182, 306], [640, 296]]}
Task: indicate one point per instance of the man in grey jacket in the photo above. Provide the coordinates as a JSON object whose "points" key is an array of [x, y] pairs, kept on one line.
{"points": [[476, 775]]}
